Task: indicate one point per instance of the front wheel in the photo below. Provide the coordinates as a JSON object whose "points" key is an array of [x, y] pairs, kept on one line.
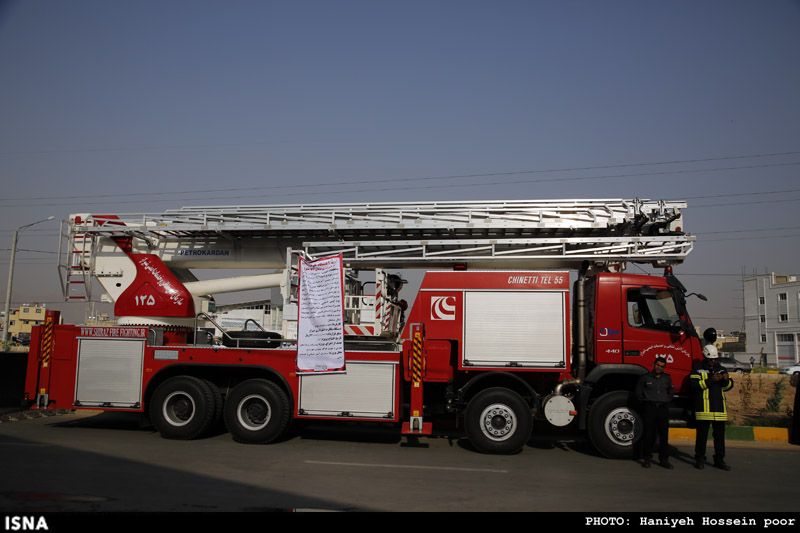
{"points": [[614, 426], [498, 421], [257, 412]]}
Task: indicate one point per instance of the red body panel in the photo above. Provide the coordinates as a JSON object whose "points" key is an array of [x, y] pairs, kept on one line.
{"points": [[608, 321], [155, 291], [440, 307], [503, 280]]}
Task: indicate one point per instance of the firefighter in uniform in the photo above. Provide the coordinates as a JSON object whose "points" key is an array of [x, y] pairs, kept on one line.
{"points": [[710, 382]]}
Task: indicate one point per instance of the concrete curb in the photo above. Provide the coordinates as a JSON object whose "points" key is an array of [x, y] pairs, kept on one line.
{"points": [[747, 433]]}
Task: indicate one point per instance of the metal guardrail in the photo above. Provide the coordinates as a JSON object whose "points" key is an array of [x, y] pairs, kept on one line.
{"points": [[207, 317], [259, 326]]}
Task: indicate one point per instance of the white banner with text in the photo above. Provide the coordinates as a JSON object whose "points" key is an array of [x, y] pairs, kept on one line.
{"points": [[320, 336]]}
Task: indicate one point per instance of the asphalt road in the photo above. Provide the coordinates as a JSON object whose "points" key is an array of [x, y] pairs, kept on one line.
{"points": [[109, 462]]}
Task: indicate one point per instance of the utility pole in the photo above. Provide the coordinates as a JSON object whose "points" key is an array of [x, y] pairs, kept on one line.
{"points": [[15, 238], [743, 302], [7, 322]]}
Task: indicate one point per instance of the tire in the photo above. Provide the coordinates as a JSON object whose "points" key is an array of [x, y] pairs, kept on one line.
{"points": [[498, 421], [614, 427], [216, 419], [184, 407], [257, 412]]}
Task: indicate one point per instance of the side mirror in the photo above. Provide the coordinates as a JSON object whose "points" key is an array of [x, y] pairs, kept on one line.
{"points": [[710, 335]]}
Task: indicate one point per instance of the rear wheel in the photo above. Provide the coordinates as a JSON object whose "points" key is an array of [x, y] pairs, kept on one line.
{"points": [[257, 412], [498, 421], [184, 407], [614, 426]]}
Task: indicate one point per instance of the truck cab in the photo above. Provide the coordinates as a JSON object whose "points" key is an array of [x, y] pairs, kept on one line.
{"points": [[636, 318], [630, 320]]}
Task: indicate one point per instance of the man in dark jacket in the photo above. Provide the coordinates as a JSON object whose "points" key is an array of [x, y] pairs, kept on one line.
{"points": [[710, 382], [654, 391]]}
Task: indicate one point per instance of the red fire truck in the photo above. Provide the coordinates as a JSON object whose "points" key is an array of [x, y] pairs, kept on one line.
{"points": [[524, 313]]}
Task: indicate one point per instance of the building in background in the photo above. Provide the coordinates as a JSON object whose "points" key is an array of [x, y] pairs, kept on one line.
{"points": [[23, 319], [733, 342], [772, 317]]}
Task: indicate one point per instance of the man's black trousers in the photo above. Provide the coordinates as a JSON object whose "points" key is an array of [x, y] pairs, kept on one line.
{"points": [[702, 439], [656, 423]]}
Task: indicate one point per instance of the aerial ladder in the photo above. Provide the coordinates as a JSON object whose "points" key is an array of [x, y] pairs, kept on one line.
{"points": [[370, 236]]}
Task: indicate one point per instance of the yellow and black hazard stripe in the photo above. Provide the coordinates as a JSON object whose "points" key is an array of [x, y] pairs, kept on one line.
{"points": [[47, 342], [416, 358]]}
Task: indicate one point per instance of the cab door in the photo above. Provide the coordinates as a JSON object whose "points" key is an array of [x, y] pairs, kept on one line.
{"points": [[652, 327]]}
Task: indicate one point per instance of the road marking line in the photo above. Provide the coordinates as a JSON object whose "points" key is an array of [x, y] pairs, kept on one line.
{"points": [[410, 467]]}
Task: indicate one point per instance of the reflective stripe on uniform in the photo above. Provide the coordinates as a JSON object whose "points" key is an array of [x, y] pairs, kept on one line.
{"points": [[707, 414], [701, 380], [714, 417]]}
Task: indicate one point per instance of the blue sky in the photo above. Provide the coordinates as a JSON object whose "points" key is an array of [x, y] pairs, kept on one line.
{"points": [[133, 106]]}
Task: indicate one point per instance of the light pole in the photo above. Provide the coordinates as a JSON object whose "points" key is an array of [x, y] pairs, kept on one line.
{"points": [[7, 322]]}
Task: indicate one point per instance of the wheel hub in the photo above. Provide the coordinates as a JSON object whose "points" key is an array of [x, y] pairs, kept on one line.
{"points": [[179, 408], [498, 422], [257, 412], [620, 426], [254, 412]]}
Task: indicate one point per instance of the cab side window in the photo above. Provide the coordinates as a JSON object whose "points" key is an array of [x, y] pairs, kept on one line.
{"points": [[656, 310]]}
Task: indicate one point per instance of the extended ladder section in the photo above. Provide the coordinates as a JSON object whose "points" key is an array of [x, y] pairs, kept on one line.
{"points": [[494, 234], [76, 264]]}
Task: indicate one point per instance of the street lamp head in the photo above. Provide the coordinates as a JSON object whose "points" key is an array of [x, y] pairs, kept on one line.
{"points": [[51, 217]]}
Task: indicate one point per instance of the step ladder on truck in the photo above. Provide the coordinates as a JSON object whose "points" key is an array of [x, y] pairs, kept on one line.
{"points": [[497, 337]]}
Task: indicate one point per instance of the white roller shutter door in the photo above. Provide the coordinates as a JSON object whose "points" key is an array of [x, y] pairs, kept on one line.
{"points": [[514, 328], [109, 372]]}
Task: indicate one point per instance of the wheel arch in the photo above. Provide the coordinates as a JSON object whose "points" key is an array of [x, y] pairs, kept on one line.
{"points": [[505, 380], [608, 378], [603, 379]]}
